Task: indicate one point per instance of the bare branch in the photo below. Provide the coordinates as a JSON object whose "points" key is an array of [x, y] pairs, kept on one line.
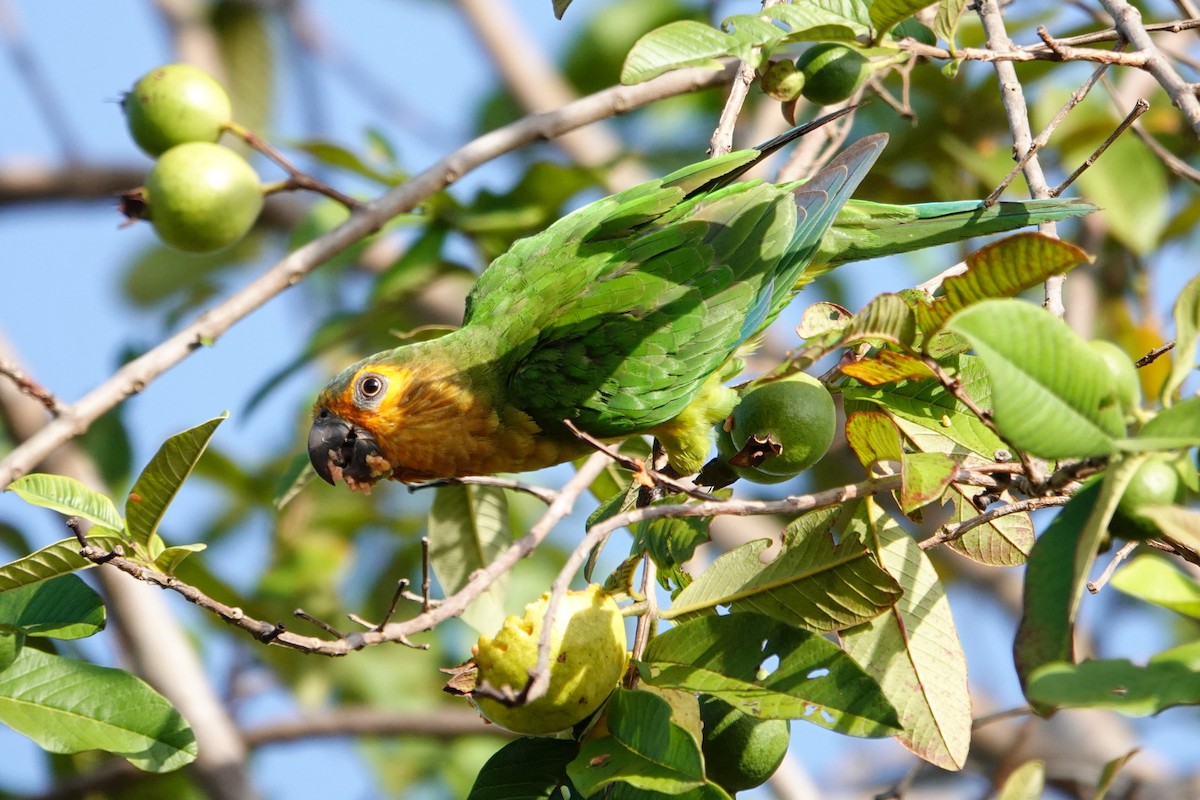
{"points": [[1129, 24], [539, 87], [1139, 108], [1042, 138], [1095, 586]]}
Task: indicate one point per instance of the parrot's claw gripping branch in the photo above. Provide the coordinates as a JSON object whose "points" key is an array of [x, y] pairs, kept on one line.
{"points": [[647, 476]]}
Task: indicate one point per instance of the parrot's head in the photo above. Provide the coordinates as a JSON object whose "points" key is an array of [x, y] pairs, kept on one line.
{"points": [[350, 429]]}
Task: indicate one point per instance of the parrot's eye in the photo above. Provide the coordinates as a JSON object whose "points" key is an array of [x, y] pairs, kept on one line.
{"points": [[370, 387]]}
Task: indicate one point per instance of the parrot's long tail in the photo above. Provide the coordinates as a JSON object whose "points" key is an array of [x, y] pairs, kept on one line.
{"points": [[870, 230], [818, 202]]}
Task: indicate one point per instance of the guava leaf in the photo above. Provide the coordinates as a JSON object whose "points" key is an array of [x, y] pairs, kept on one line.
{"points": [[886, 13], [468, 528], [10, 648], [534, 768], [887, 366], [1052, 593], [170, 558], [873, 437], [1115, 684], [684, 43], [1052, 396], [814, 680], [928, 404], [887, 318], [1181, 524], [53, 560], [1187, 327], [828, 20], [160, 481], [812, 583], [1109, 773], [644, 749], [1155, 581], [67, 496], [1044, 632], [1026, 782], [1004, 541], [69, 706], [63, 608], [913, 649], [945, 21], [1001, 269], [925, 477], [1173, 428]]}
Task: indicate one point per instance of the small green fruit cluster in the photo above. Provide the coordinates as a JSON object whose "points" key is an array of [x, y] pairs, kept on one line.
{"points": [[740, 751], [200, 196], [778, 429]]}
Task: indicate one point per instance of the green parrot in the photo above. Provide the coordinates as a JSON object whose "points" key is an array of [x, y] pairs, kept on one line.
{"points": [[625, 317]]}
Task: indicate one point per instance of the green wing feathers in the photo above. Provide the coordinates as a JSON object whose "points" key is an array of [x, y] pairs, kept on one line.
{"points": [[674, 297]]}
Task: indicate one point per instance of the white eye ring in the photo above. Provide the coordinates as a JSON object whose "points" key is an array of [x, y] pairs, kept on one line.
{"points": [[371, 386]]}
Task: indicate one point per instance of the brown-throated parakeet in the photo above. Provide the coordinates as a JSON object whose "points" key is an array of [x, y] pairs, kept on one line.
{"points": [[624, 317]]}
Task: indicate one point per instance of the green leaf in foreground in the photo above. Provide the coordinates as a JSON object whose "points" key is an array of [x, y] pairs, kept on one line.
{"points": [[60, 558], [10, 648], [913, 650], [812, 583], [159, 482], [1154, 580], [68, 706], [685, 43], [525, 769], [1115, 684], [645, 749], [886, 13], [67, 496], [814, 681], [1051, 393], [1001, 269], [1025, 782], [1044, 633], [63, 608]]}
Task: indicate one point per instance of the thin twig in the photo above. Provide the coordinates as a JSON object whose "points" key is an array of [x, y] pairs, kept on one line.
{"points": [[541, 493], [950, 533], [721, 141], [296, 178], [1139, 108], [1172, 162], [1066, 48], [134, 376], [1044, 136], [1153, 355], [1095, 586]]}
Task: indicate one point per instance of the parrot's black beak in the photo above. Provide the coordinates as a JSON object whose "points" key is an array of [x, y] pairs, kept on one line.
{"points": [[338, 450]]}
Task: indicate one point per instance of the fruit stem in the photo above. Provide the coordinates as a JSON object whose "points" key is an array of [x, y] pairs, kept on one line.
{"points": [[296, 178]]}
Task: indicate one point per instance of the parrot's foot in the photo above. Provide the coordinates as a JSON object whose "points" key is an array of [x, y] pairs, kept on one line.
{"points": [[649, 495]]}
